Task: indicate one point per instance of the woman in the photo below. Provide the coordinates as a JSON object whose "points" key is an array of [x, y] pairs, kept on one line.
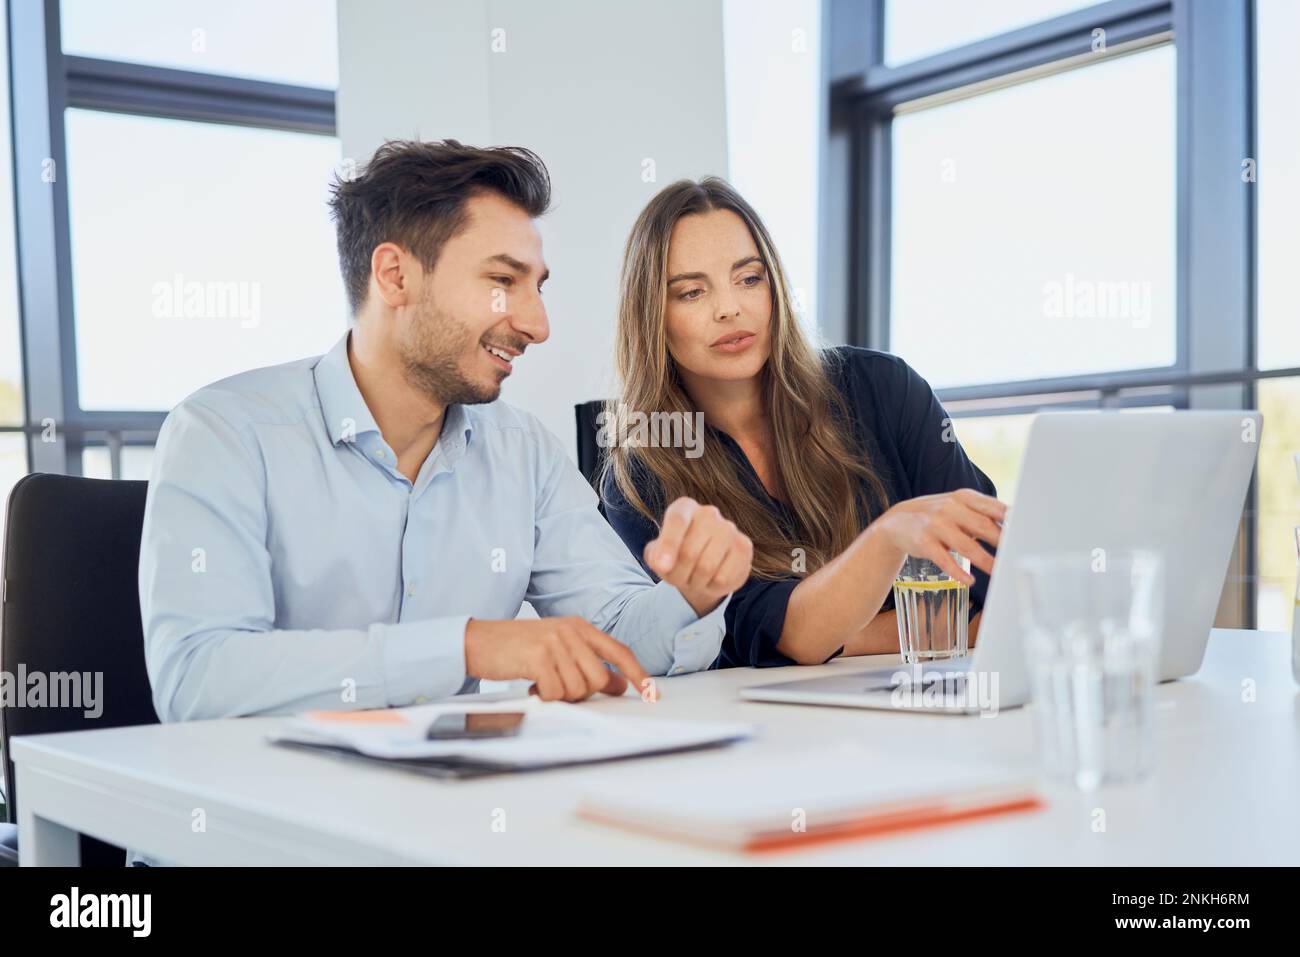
{"points": [[836, 465]]}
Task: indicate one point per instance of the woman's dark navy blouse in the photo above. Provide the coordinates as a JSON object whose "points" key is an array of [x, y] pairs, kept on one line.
{"points": [[906, 436]]}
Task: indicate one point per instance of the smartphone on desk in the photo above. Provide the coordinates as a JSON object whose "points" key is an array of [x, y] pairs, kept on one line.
{"points": [[462, 725]]}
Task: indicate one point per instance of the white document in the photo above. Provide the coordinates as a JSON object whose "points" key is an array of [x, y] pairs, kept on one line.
{"points": [[553, 732]]}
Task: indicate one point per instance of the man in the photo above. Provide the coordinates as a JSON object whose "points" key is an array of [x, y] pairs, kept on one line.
{"points": [[359, 529]]}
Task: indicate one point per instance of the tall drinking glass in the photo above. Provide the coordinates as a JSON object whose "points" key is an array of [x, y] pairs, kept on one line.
{"points": [[1092, 638]]}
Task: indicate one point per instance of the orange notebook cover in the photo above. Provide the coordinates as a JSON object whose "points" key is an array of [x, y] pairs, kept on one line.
{"points": [[762, 802]]}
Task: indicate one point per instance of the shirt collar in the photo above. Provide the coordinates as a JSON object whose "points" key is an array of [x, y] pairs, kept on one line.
{"points": [[344, 409]]}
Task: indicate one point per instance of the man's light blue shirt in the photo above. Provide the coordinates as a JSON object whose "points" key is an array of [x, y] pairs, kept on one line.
{"points": [[287, 564]]}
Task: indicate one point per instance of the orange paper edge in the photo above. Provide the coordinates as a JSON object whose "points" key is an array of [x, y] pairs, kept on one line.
{"points": [[378, 716]]}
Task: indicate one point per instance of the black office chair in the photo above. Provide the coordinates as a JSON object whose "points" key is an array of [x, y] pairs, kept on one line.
{"points": [[591, 457], [71, 604]]}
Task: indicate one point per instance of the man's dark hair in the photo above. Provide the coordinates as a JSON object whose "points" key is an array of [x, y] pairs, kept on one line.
{"points": [[414, 194]]}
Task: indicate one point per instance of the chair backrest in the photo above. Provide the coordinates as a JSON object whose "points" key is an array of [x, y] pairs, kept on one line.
{"points": [[72, 607], [591, 457]]}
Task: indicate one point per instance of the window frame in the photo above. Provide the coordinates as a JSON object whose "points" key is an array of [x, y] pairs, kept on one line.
{"points": [[52, 82], [1216, 364]]}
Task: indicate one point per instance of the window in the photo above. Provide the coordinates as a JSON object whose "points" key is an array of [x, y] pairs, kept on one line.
{"points": [[1048, 209], [288, 41], [996, 443], [192, 143], [136, 462], [11, 367], [216, 252], [13, 443], [1278, 474], [13, 466], [1277, 23], [918, 28], [1278, 78]]}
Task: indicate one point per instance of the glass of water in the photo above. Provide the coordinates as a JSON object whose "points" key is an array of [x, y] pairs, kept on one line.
{"points": [[1092, 625], [932, 611]]}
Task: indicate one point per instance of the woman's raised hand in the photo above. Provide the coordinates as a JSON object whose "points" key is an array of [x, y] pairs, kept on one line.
{"points": [[932, 526]]}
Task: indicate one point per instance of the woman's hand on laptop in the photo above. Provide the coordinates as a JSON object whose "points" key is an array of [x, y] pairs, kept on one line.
{"points": [[563, 657], [933, 525], [699, 552]]}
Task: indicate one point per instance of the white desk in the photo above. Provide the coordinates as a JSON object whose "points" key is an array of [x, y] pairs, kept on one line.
{"points": [[1226, 789]]}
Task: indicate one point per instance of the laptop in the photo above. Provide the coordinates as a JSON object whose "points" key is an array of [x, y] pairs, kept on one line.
{"points": [[1173, 483]]}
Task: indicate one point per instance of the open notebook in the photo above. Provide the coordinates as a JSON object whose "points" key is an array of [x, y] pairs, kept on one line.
{"points": [[554, 734], [749, 802]]}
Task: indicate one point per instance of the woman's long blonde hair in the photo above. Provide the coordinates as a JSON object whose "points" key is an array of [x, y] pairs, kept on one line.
{"points": [[821, 467]]}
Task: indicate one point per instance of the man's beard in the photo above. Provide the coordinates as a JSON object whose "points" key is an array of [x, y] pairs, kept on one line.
{"points": [[432, 352]]}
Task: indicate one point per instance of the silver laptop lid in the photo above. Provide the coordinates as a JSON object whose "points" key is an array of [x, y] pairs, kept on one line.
{"points": [[1170, 482]]}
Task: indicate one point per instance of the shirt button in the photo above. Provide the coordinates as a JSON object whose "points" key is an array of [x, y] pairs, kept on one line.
{"points": [[410, 591], [421, 700], [677, 670], [687, 635]]}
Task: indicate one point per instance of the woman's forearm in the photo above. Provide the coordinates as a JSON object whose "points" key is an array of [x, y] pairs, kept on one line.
{"points": [[830, 607], [878, 637]]}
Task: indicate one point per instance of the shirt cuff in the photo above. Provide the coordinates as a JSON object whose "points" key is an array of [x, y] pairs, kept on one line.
{"points": [[698, 640], [423, 660]]}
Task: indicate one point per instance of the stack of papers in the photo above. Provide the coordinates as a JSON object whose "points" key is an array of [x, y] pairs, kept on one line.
{"points": [[759, 802], [553, 734]]}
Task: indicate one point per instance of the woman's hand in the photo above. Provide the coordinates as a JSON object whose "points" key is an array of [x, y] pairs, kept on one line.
{"points": [[933, 525], [838, 604], [700, 553]]}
